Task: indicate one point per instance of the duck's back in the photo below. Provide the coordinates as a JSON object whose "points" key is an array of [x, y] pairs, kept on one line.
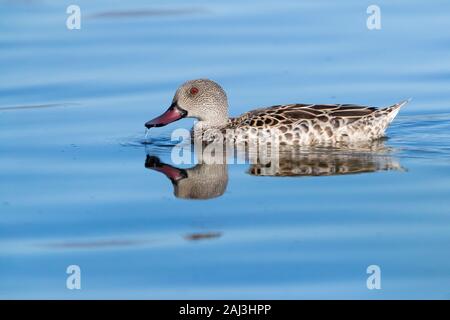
{"points": [[308, 124]]}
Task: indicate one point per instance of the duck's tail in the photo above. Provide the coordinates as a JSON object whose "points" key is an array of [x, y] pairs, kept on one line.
{"points": [[392, 111]]}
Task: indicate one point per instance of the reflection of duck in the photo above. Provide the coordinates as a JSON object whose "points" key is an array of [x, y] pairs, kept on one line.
{"points": [[206, 181], [296, 124], [310, 164]]}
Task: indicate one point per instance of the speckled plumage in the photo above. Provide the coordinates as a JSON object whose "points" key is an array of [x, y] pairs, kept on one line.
{"points": [[307, 124]]}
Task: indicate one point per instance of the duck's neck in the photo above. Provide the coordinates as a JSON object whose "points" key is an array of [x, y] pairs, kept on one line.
{"points": [[201, 125]]}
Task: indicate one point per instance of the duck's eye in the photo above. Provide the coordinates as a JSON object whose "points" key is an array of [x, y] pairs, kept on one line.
{"points": [[193, 91]]}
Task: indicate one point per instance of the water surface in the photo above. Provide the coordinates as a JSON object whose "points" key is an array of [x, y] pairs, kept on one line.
{"points": [[76, 185]]}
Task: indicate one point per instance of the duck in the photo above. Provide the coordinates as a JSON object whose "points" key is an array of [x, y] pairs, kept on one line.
{"points": [[294, 124]]}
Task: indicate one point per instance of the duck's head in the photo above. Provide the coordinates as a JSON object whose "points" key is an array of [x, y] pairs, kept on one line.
{"points": [[202, 99]]}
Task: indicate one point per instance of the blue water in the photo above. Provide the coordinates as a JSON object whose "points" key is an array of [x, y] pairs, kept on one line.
{"points": [[74, 189]]}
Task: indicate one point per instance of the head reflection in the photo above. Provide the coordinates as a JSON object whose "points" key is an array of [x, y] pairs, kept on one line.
{"points": [[203, 181]]}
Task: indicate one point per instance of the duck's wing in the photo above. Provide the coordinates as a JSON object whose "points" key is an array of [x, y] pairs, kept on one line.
{"points": [[293, 113]]}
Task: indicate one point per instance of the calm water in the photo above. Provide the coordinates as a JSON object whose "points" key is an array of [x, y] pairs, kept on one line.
{"points": [[74, 188]]}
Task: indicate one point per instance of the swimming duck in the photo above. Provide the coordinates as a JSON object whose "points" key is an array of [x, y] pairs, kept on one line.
{"points": [[295, 124]]}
